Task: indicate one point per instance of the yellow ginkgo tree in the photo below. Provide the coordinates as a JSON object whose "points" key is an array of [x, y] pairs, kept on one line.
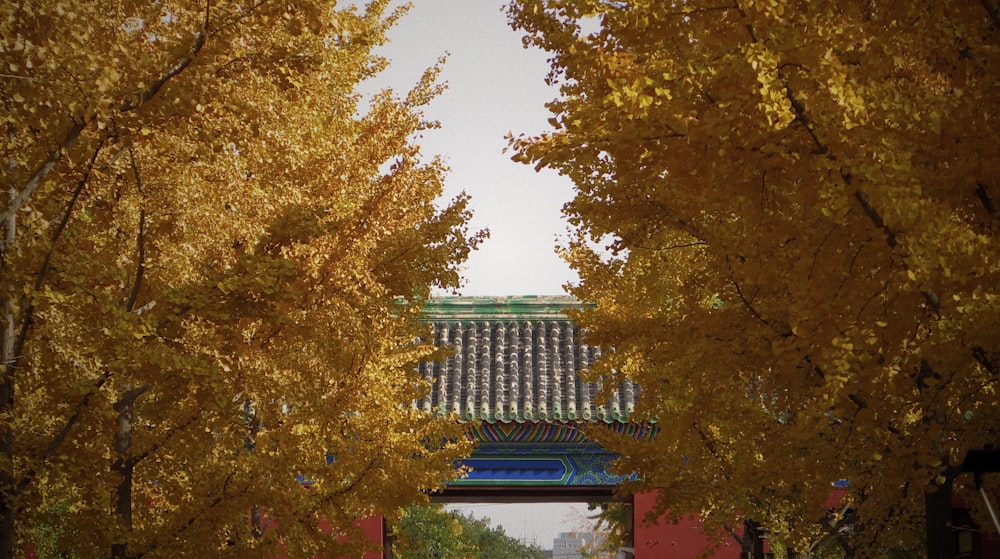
{"points": [[214, 256], [786, 218]]}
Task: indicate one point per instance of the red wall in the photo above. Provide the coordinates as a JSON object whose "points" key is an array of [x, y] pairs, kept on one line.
{"points": [[374, 530], [666, 540]]}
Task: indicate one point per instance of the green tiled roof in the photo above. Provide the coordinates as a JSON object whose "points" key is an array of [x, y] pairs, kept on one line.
{"points": [[516, 359]]}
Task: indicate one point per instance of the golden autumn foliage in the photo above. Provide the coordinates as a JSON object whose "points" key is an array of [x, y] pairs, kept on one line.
{"points": [[803, 275], [212, 269]]}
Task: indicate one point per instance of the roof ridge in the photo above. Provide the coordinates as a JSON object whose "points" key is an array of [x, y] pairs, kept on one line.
{"points": [[513, 307]]}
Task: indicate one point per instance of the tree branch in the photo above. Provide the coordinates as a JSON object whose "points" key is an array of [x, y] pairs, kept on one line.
{"points": [[182, 64], [981, 357], [16, 349], [873, 215], [19, 197], [140, 268], [43, 270], [803, 117], [194, 518], [746, 303], [135, 459], [984, 198], [780, 329], [63, 433], [993, 10]]}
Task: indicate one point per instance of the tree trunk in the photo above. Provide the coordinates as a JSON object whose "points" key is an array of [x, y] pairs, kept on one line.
{"points": [[758, 541], [123, 504], [846, 546], [8, 364], [124, 466], [937, 514], [253, 424], [7, 496], [751, 542]]}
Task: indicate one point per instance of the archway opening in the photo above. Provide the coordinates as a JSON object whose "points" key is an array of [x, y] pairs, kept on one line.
{"points": [[522, 522]]}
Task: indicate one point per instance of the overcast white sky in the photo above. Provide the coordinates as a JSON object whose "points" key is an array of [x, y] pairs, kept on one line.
{"points": [[495, 86]]}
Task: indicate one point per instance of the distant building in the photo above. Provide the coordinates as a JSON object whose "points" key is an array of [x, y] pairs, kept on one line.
{"points": [[573, 545]]}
